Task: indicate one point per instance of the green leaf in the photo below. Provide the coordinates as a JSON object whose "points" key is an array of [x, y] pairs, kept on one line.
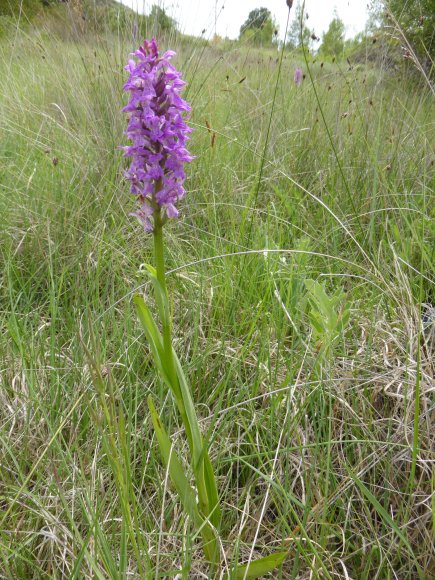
{"points": [[149, 326], [153, 336], [197, 442], [184, 490], [212, 493], [176, 471], [161, 298], [202, 468], [204, 477], [198, 449], [258, 568]]}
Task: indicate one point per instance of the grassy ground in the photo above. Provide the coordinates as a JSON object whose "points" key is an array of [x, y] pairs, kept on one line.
{"points": [[306, 206]]}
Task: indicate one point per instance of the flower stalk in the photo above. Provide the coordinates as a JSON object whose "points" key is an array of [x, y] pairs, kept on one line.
{"points": [[159, 255], [159, 134], [183, 398]]}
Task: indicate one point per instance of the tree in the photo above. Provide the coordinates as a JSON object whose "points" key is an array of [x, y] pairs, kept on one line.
{"points": [[256, 20], [259, 28], [416, 18], [161, 20], [352, 45], [376, 15], [333, 38], [299, 34]]}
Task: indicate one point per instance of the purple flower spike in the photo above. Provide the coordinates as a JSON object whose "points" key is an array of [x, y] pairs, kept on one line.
{"points": [[298, 76], [158, 132]]}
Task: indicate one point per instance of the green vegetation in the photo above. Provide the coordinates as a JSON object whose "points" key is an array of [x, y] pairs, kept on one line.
{"points": [[300, 272], [416, 19], [299, 34], [28, 7], [164, 22], [259, 28], [89, 17], [333, 39]]}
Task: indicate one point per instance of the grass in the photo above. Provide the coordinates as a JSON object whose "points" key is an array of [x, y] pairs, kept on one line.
{"points": [[321, 434]]}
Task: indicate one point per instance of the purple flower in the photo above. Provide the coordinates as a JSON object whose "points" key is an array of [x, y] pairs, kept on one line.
{"points": [[298, 76], [158, 132]]}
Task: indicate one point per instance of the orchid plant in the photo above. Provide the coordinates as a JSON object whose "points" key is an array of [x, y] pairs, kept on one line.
{"points": [[159, 133]]}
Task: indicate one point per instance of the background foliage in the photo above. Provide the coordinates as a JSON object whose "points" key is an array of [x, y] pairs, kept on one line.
{"points": [[417, 20]]}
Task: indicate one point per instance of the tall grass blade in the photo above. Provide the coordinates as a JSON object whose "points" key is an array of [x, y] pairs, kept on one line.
{"points": [[388, 521]]}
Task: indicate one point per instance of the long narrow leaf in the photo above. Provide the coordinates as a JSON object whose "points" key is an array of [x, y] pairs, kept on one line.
{"points": [[149, 326], [258, 568], [388, 520], [161, 298], [184, 490], [176, 472], [186, 393], [197, 444], [153, 336], [181, 390], [212, 492], [204, 476]]}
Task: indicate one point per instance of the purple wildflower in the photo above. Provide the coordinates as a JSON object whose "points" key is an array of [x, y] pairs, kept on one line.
{"points": [[158, 131], [298, 76]]}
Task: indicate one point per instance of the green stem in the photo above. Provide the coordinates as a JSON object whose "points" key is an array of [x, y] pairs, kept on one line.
{"points": [[210, 545], [159, 253]]}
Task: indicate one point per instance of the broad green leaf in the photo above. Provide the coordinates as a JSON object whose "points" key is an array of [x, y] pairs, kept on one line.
{"points": [[154, 338], [184, 490], [161, 297], [258, 568], [151, 270], [197, 442], [204, 477], [176, 471]]}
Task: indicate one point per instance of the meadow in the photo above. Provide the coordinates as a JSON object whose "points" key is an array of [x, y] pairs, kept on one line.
{"points": [[301, 283]]}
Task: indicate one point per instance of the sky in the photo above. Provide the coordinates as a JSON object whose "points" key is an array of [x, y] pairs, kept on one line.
{"points": [[226, 16]]}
